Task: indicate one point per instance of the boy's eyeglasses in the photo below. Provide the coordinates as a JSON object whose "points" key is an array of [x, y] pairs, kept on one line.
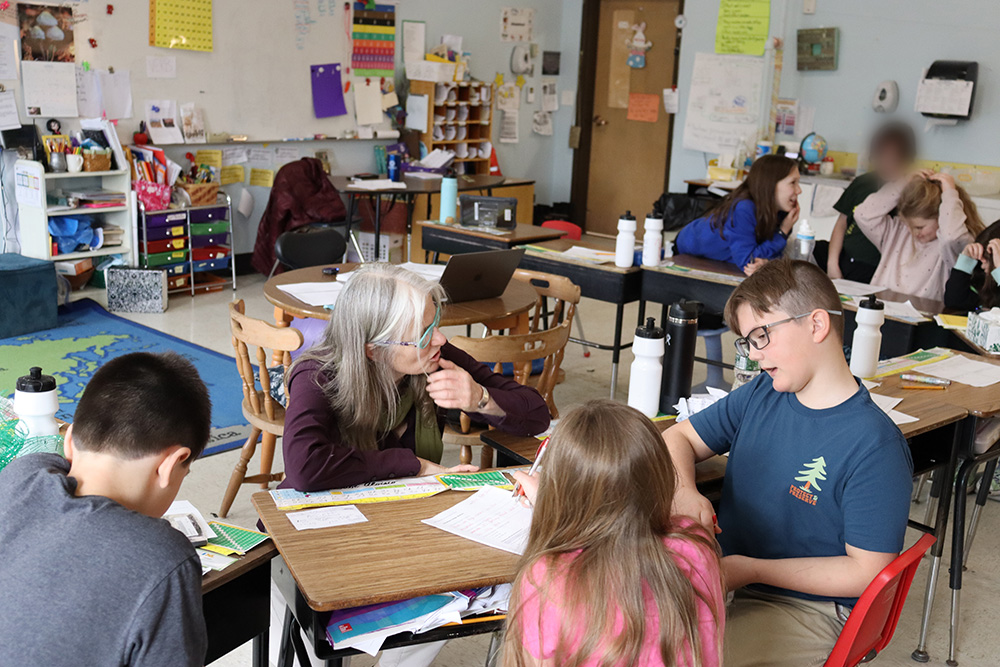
{"points": [[759, 337], [425, 337]]}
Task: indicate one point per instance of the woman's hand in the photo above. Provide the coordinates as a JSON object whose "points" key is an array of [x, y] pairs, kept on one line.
{"points": [[453, 388], [529, 484], [754, 265], [431, 468], [692, 504], [946, 180]]}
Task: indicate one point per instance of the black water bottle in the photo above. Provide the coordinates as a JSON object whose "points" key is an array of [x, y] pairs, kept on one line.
{"points": [[678, 358]]}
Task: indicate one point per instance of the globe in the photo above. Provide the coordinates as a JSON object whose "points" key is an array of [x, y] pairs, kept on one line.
{"points": [[813, 148]]}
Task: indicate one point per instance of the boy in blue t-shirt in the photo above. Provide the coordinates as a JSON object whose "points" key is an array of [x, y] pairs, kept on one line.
{"points": [[817, 488]]}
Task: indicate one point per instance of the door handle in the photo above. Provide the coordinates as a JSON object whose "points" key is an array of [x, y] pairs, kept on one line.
{"points": [[599, 122]]}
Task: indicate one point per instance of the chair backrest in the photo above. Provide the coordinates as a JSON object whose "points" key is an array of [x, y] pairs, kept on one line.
{"points": [[264, 337], [873, 619], [301, 249], [564, 292], [573, 231]]}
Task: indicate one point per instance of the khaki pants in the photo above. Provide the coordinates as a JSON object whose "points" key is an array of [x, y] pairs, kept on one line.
{"points": [[765, 630]]}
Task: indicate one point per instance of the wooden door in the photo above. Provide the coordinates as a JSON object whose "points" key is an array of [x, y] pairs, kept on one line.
{"points": [[628, 158]]}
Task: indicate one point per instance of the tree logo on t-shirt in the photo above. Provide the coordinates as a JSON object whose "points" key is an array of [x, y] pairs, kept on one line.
{"points": [[813, 473]]}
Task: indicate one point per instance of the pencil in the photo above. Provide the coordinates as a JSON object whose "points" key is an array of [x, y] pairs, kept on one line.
{"points": [[518, 491], [923, 386]]}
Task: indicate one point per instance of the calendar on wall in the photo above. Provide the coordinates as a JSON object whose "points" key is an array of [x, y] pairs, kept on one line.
{"points": [[181, 24]]}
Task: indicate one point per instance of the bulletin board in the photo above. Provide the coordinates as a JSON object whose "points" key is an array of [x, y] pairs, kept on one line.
{"points": [[256, 80]]}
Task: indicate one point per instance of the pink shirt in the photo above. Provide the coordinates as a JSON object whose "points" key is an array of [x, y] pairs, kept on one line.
{"points": [[919, 269], [697, 562]]}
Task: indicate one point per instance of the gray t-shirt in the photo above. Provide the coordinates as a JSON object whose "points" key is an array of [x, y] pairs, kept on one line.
{"points": [[86, 581]]}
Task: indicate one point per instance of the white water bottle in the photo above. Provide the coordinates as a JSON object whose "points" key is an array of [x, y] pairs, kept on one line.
{"points": [[652, 240], [36, 403], [867, 341], [647, 369], [805, 242], [625, 243]]}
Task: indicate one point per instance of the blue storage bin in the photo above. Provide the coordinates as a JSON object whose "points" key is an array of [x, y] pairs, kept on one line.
{"points": [[176, 269], [212, 264], [29, 296]]}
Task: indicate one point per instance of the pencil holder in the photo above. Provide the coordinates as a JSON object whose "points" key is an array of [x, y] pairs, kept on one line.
{"points": [[202, 194], [96, 162]]}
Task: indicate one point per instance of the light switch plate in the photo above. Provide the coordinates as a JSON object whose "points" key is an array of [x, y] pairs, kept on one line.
{"points": [[808, 6]]}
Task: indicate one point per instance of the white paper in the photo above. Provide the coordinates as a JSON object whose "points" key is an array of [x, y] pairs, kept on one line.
{"points": [[260, 155], [9, 50], [326, 517], [541, 123], [824, 198], [508, 97], [88, 94], [491, 516], [116, 94], [49, 88], [509, 127], [723, 108], [234, 156], [425, 70], [246, 203], [287, 154], [414, 38], [589, 254], [315, 294], [568, 98], [671, 100], [854, 288], [376, 184], [365, 132], [436, 159], [161, 67], [193, 124], [886, 403], [944, 96], [9, 119], [431, 272], [185, 508], [516, 24], [962, 369], [453, 42], [697, 402], [367, 102], [162, 122], [214, 561], [550, 98], [416, 112], [905, 310]]}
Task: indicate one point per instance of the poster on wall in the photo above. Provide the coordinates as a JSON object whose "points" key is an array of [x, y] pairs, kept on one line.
{"points": [[373, 40], [516, 24], [724, 102], [46, 33], [181, 24]]}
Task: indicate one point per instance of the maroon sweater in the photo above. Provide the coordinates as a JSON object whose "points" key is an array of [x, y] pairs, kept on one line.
{"points": [[316, 457]]}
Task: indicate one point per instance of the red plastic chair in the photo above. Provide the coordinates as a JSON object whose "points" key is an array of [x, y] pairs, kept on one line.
{"points": [[573, 232], [873, 620]]}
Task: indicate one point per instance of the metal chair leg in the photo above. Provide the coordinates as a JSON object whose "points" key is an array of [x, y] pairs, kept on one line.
{"points": [[918, 488], [496, 642], [579, 327], [920, 653], [273, 269], [932, 499]]}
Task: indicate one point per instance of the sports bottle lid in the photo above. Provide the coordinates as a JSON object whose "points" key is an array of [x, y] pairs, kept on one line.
{"points": [[628, 216], [805, 230], [650, 330], [684, 311], [35, 382], [872, 303]]}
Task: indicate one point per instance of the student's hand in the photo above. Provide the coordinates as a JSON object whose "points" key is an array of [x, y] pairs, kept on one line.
{"points": [[738, 571], [529, 484], [974, 250], [754, 265], [453, 388], [920, 173], [791, 218], [946, 180], [993, 249], [431, 468], [833, 271], [692, 504]]}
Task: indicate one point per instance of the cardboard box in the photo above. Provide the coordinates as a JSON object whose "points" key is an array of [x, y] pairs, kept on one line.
{"points": [[984, 330], [74, 267]]}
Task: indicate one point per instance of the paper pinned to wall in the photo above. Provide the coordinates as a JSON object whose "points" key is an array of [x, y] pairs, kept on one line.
{"points": [[9, 51], [233, 173], [8, 111], [161, 67], [260, 155], [234, 156], [161, 122], [508, 97], [262, 177], [88, 93], [541, 123], [246, 203], [49, 89], [116, 94], [287, 154], [367, 102], [414, 40], [643, 107], [550, 97], [327, 91], [181, 24], [508, 127], [211, 157], [743, 26], [944, 96], [416, 112], [193, 124], [723, 107], [516, 24]]}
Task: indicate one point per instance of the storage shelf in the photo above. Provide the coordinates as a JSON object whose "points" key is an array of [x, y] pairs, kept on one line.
{"points": [[86, 211], [100, 252], [83, 174]]}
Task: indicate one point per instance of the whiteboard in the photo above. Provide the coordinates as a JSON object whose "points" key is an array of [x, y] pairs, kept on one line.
{"points": [[256, 81], [724, 102]]}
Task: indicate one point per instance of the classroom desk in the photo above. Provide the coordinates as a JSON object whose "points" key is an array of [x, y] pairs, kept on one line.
{"points": [[604, 282], [236, 603], [416, 187], [453, 239], [974, 347], [711, 283], [393, 556]]}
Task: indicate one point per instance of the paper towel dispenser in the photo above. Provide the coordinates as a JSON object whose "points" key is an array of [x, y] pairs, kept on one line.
{"points": [[948, 89]]}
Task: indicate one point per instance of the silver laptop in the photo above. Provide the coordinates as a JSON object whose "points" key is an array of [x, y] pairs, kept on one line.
{"points": [[479, 275]]}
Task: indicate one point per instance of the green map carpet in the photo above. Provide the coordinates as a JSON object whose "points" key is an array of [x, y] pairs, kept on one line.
{"points": [[88, 335]]}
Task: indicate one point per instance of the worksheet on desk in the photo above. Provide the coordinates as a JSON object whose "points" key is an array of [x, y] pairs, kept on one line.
{"points": [[964, 370], [492, 517]]}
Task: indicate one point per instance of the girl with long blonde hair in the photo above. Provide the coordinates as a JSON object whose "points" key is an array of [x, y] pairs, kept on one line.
{"points": [[920, 224], [609, 577]]}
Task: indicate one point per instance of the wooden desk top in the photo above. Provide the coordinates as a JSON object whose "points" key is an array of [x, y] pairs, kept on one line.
{"points": [[978, 401], [259, 555], [518, 298], [426, 186], [520, 235], [700, 268], [393, 556], [550, 250]]}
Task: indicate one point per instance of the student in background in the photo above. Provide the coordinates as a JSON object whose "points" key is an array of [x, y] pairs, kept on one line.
{"points": [[849, 254], [90, 574], [935, 220], [751, 224], [973, 282], [817, 490], [609, 577]]}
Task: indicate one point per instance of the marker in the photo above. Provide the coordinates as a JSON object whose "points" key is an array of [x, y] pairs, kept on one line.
{"points": [[925, 379], [518, 491]]}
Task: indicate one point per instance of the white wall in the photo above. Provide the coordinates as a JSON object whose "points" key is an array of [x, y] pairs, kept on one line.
{"points": [[885, 39]]}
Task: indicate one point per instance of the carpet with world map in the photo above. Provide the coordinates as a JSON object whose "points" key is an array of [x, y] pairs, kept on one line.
{"points": [[88, 336]]}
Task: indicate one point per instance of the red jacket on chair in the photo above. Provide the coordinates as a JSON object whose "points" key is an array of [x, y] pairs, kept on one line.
{"points": [[302, 194]]}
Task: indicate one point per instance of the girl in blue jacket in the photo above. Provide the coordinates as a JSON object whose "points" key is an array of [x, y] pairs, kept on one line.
{"points": [[751, 225]]}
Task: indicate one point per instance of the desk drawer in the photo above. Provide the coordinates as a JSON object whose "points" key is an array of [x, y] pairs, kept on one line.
{"points": [[160, 233], [180, 269], [209, 227], [166, 219], [209, 252], [166, 245], [209, 214], [211, 264], [162, 258], [221, 238]]}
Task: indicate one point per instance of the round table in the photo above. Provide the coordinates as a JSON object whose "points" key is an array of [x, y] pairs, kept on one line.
{"points": [[507, 311]]}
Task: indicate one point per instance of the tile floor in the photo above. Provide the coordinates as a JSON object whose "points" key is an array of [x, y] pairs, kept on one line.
{"points": [[203, 320]]}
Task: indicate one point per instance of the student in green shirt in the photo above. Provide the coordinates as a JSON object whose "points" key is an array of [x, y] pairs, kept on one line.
{"points": [[849, 254]]}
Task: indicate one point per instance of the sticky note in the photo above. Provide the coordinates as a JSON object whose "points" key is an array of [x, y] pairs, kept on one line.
{"points": [[262, 177]]}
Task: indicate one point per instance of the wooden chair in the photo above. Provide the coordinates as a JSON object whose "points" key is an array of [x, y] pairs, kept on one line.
{"points": [[262, 412], [520, 350]]}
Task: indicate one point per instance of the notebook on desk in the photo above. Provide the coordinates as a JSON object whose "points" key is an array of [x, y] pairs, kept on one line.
{"points": [[479, 275]]}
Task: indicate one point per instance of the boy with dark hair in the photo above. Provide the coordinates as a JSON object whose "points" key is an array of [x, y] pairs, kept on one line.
{"points": [[849, 253], [817, 488], [90, 574]]}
